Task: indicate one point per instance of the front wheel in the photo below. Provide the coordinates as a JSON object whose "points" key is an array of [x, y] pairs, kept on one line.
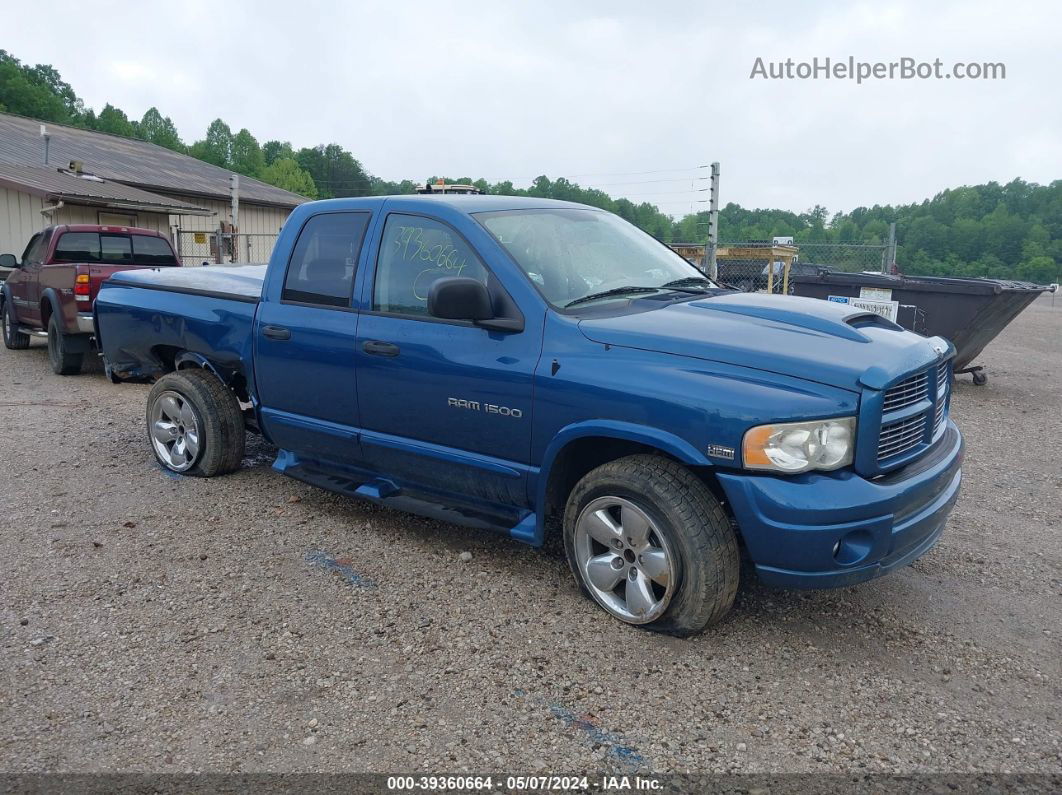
{"points": [[194, 424], [63, 361], [647, 540], [14, 339]]}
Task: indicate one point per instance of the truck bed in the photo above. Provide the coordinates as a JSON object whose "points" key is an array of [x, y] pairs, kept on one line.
{"points": [[144, 317]]}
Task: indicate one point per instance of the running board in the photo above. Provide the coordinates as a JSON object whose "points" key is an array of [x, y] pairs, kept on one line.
{"points": [[377, 490], [518, 523], [33, 332]]}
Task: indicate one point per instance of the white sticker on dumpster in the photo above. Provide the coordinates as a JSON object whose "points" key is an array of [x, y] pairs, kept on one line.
{"points": [[876, 293], [887, 309]]}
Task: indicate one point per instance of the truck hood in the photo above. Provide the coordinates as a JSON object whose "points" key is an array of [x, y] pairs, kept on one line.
{"points": [[806, 338]]}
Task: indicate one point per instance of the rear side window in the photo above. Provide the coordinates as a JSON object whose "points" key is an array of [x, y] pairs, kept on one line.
{"points": [[149, 250], [415, 252], [34, 249], [78, 247], [321, 269]]}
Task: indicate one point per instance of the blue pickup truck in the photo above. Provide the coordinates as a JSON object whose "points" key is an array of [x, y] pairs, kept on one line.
{"points": [[535, 366]]}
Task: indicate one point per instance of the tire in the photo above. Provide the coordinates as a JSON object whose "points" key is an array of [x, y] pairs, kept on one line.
{"points": [[194, 424], [686, 528], [63, 361], [14, 339]]}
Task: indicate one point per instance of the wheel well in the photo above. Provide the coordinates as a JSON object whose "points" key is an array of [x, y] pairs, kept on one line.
{"points": [[46, 312], [167, 357], [581, 456]]}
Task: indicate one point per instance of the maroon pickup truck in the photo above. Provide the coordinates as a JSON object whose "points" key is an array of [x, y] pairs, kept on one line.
{"points": [[50, 293]]}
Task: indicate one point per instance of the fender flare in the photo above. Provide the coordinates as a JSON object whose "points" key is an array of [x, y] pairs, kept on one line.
{"points": [[76, 342], [664, 441], [185, 358], [52, 298], [226, 375]]}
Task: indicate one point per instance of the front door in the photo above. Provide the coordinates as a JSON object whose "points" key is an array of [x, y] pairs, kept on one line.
{"points": [[25, 284], [305, 368], [445, 405]]}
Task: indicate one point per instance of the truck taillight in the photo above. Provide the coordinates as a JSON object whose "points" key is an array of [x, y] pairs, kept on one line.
{"points": [[81, 284]]}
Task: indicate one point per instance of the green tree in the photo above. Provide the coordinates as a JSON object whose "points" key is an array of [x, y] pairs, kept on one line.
{"points": [[36, 91], [159, 129], [247, 155], [276, 150], [216, 148], [114, 121], [285, 173], [335, 172]]}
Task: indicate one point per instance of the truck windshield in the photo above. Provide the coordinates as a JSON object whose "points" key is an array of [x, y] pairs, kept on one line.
{"points": [[576, 256]]}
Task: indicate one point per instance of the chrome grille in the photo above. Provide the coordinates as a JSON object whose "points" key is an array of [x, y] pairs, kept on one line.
{"points": [[943, 381], [910, 390], [899, 437]]}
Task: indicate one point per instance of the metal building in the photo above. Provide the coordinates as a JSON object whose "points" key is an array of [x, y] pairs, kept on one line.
{"points": [[53, 174]]}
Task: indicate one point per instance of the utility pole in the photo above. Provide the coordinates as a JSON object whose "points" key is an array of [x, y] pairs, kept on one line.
{"points": [[234, 195], [710, 266], [890, 254]]}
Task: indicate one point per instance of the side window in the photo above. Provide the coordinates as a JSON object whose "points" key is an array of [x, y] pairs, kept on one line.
{"points": [[321, 269], [414, 253], [33, 249]]}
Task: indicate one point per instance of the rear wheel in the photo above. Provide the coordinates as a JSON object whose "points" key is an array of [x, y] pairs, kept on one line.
{"points": [[194, 424], [63, 361], [13, 338], [648, 542]]}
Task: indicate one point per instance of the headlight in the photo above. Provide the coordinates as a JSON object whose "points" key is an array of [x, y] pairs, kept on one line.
{"points": [[793, 447]]}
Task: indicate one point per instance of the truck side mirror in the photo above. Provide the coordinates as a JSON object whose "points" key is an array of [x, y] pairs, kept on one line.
{"points": [[459, 298], [8, 261]]}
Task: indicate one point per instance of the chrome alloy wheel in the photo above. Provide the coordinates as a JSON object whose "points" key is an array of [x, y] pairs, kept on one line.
{"points": [[625, 560], [175, 431]]}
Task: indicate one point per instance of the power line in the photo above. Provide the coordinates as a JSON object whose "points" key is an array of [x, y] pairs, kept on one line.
{"points": [[646, 181], [669, 193]]}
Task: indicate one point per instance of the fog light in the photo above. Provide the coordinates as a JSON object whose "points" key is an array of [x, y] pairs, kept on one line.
{"points": [[853, 547]]}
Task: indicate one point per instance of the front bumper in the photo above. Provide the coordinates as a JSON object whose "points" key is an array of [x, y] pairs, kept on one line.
{"points": [[827, 530]]}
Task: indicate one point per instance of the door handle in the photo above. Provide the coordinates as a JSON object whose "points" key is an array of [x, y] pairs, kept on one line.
{"points": [[276, 332], [378, 348]]}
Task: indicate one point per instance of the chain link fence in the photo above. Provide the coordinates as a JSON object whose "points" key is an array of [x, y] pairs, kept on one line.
{"points": [[760, 266], [215, 248]]}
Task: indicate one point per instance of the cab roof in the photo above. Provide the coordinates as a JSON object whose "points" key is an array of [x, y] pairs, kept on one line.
{"points": [[463, 203]]}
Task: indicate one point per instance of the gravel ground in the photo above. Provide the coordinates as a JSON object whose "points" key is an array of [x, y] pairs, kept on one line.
{"points": [[252, 623]]}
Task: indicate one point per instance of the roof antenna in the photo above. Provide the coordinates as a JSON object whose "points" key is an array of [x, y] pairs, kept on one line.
{"points": [[47, 138]]}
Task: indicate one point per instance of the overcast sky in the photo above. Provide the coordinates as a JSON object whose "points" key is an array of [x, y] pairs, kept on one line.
{"points": [[598, 90]]}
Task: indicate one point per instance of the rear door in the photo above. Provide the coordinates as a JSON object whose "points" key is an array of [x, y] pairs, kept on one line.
{"points": [[304, 343]]}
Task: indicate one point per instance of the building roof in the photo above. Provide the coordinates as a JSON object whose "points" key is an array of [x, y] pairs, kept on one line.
{"points": [[55, 185], [128, 160]]}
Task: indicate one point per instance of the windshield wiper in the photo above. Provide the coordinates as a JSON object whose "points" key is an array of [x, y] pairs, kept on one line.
{"points": [[689, 281], [613, 291]]}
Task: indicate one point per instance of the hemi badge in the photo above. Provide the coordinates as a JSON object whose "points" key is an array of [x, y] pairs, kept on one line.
{"points": [[721, 451]]}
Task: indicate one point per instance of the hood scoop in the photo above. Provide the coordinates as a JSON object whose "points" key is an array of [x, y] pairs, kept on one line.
{"points": [[823, 317]]}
